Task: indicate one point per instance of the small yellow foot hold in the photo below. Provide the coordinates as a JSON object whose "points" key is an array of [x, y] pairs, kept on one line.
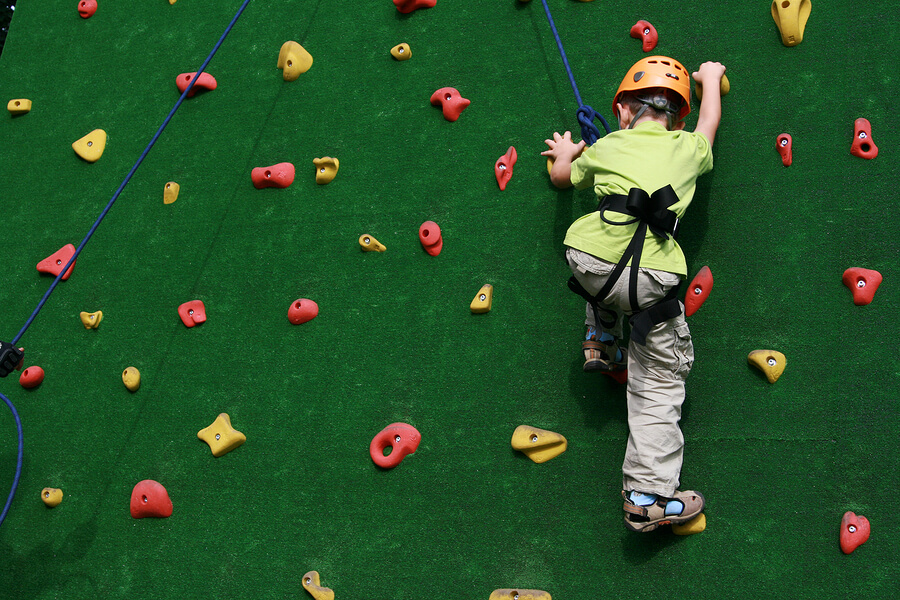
{"points": [[401, 52], [370, 244], [294, 60], [482, 301], [221, 436], [326, 169], [91, 146], [770, 362], [52, 496], [18, 106], [724, 87], [91, 320], [790, 17], [170, 192], [312, 585], [695, 525], [519, 594], [131, 377], [539, 445]]}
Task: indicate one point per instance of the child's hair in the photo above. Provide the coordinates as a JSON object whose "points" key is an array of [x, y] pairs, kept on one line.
{"points": [[659, 103]]}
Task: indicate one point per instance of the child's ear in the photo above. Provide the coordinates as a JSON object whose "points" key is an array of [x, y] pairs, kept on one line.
{"points": [[623, 114], [679, 125]]}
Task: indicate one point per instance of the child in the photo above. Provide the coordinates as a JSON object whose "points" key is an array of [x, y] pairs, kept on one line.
{"points": [[644, 176]]}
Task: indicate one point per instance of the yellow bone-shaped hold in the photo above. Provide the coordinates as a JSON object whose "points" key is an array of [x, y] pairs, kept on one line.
{"points": [[312, 585], [131, 377], [695, 525], [52, 496], [170, 192], [481, 303], [519, 594], [370, 244], [91, 146], [401, 52], [770, 362], [326, 169], [293, 59], [221, 436], [790, 17], [91, 320], [539, 445], [18, 106]]}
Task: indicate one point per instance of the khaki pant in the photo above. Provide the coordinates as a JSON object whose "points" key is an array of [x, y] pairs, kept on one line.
{"points": [[656, 374]]}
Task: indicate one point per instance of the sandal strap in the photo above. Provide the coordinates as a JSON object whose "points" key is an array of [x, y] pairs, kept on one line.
{"points": [[592, 345]]}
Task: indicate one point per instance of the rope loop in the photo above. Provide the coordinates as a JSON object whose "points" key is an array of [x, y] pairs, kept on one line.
{"points": [[590, 133]]}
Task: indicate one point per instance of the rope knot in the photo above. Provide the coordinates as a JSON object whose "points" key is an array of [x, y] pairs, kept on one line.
{"points": [[590, 133]]}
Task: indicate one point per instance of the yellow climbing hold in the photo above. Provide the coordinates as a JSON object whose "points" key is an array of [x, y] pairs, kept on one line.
{"points": [[539, 445], [170, 192], [131, 377], [221, 436], [91, 320], [770, 362], [401, 52], [52, 496], [293, 59], [312, 585], [519, 594], [482, 301], [370, 244], [695, 525], [790, 18], [724, 87], [326, 169], [18, 106], [91, 146]]}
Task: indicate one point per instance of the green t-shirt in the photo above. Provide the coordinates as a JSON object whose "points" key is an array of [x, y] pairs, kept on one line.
{"points": [[647, 157]]}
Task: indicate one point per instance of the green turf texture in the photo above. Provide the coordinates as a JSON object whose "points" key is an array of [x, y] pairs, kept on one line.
{"points": [[778, 463]]}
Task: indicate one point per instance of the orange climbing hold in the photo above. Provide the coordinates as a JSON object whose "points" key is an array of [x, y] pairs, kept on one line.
{"points": [[54, 263], [643, 30], [862, 145], [204, 82], [785, 145], [863, 283], [698, 291], [452, 103]]}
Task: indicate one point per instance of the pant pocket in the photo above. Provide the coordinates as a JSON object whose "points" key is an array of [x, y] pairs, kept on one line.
{"points": [[684, 351]]}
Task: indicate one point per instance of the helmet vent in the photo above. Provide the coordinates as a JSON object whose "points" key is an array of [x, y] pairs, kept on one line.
{"points": [[638, 75], [667, 63], [672, 75]]}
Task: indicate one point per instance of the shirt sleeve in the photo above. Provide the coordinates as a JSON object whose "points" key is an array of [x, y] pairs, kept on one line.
{"points": [[582, 175]]}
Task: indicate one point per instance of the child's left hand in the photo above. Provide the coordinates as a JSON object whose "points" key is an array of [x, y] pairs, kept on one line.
{"points": [[562, 147]]}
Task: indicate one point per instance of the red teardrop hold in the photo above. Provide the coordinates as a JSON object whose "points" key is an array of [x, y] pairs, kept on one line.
{"points": [[277, 176], [785, 145], [407, 6], [643, 30], [430, 236], [863, 283], [401, 437], [87, 8], [855, 531], [862, 145], [31, 377], [54, 263], [150, 499], [302, 310], [204, 82], [452, 103], [698, 291], [192, 313], [503, 168]]}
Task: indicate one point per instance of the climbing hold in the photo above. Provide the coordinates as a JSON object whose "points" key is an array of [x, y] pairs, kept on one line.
{"points": [[170, 192], [503, 168], [294, 60], [312, 584], [698, 291], [695, 525], [131, 377], [724, 87], [150, 499], [18, 106], [204, 82], [863, 283], [407, 6], [401, 52], [452, 104], [52, 496], [770, 362], [855, 531], [863, 146], [430, 236], [87, 8], [192, 313], [519, 594], [31, 377], [790, 18], [402, 438], [54, 263], [221, 436], [370, 244], [482, 301], [539, 445], [785, 145], [643, 30], [91, 320], [302, 310], [619, 377], [277, 176], [326, 169], [91, 146]]}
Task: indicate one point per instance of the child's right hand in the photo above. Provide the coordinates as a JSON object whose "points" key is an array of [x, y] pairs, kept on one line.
{"points": [[709, 73]]}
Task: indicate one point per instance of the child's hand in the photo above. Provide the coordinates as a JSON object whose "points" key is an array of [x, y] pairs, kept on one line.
{"points": [[562, 147], [709, 73]]}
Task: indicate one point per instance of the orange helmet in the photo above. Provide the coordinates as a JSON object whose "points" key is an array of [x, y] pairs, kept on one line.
{"points": [[657, 72]]}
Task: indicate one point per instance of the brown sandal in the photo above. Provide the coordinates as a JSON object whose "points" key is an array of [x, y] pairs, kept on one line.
{"points": [[648, 518], [597, 357]]}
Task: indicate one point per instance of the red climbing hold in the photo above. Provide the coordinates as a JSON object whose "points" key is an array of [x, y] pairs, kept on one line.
{"points": [[302, 310], [402, 438], [785, 145], [277, 176], [192, 313], [863, 146], [87, 8], [619, 377], [643, 30], [54, 263], [430, 236], [503, 168], [863, 283], [452, 104], [698, 291], [407, 6], [204, 82], [854, 532], [150, 499], [31, 377]]}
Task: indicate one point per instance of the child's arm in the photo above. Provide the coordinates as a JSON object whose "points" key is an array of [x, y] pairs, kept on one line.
{"points": [[563, 151], [709, 75]]}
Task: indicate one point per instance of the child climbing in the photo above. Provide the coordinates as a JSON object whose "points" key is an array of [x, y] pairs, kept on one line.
{"points": [[625, 262]]}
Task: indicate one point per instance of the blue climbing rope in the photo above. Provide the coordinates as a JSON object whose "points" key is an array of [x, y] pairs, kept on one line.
{"points": [[590, 133], [93, 228]]}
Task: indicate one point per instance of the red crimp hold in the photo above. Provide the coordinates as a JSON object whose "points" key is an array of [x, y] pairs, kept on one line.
{"points": [[302, 310], [452, 104], [430, 236], [54, 263], [87, 8], [204, 82], [698, 291], [192, 313], [863, 283], [150, 499], [277, 176], [785, 145], [31, 377], [643, 30], [619, 377], [863, 146], [503, 168], [855, 531], [407, 6], [402, 438]]}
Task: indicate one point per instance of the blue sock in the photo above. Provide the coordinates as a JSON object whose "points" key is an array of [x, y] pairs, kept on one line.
{"points": [[674, 507]]}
